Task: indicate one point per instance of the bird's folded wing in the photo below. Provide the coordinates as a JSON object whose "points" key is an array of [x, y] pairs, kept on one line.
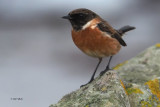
{"points": [[105, 27]]}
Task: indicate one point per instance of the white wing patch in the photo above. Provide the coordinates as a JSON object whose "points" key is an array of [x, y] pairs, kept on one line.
{"points": [[106, 34]]}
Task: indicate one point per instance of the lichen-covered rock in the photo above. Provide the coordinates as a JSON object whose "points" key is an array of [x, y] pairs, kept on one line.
{"points": [[142, 68], [141, 76], [138, 86], [105, 91]]}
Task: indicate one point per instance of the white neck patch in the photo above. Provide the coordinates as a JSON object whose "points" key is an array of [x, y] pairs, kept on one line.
{"points": [[89, 24]]}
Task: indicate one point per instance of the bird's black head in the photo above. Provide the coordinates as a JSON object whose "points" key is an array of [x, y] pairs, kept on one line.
{"points": [[80, 17]]}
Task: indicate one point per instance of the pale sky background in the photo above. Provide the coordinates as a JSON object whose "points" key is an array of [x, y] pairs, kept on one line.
{"points": [[38, 59]]}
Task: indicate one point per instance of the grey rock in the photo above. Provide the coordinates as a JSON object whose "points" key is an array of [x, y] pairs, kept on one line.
{"points": [[105, 91], [134, 83]]}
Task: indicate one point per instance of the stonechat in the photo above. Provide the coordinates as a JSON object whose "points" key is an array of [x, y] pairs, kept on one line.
{"points": [[95, 37]]}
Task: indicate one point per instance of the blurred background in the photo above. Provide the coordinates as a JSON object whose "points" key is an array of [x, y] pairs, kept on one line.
{"points": [[38, 59]]}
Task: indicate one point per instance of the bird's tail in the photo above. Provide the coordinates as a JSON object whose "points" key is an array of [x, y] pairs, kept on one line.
{"points": [[125, 29]]}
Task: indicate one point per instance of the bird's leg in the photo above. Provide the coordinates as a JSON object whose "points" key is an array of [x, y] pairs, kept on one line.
{"points": [[107, 68], [92, 78]]}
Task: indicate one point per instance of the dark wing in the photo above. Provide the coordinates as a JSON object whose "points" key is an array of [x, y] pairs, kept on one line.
{"points": [[105, 27]]}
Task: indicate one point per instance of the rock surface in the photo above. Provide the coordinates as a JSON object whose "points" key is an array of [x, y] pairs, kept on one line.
{"points": [[141, 76], [104, 91], [140, 86]]}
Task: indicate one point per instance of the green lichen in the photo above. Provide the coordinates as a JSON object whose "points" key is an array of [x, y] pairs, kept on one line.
{"points": [[134, 91], [152, 101], [104, 88], [87, 106], [145, 104]]}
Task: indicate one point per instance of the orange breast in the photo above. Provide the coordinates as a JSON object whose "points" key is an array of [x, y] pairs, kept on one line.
{"points": [[95, 43]]}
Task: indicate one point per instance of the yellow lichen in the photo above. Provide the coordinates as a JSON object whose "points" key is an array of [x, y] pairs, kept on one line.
{"points": [[145, 104], [87, 106], [103, 88], [158, 45], [119, 65], [151, 102], [123, 86], [154, 87], [134, 90]]}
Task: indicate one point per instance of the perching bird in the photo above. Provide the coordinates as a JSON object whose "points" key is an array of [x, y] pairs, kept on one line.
{"points": [[95, 37]]}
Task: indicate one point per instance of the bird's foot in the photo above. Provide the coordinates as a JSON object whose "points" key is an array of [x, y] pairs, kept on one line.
{"points": [[103, 72], [86, 83]]}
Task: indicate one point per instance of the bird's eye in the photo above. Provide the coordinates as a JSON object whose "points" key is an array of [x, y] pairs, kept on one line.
{"points": [[81, 15]]}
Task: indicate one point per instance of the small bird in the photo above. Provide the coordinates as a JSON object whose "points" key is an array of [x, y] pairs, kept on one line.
{"points": [[95, 37]]}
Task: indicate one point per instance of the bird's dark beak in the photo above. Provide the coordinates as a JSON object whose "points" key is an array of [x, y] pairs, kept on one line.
{"points": [[66, 17]]}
